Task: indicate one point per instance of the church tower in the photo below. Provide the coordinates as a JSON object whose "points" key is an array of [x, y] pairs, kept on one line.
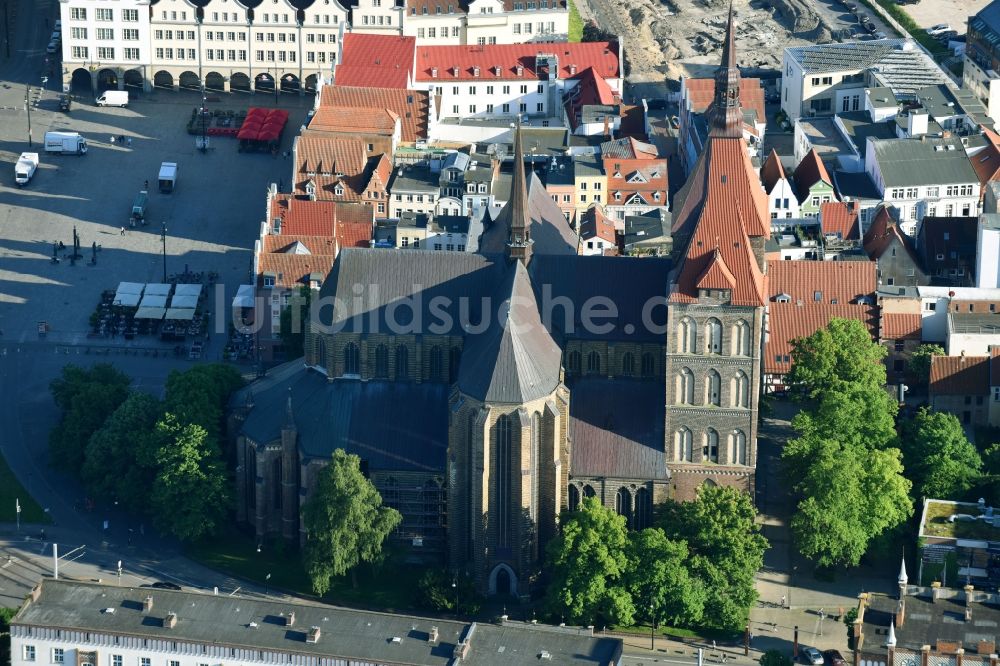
{"points": [[507, 449], [718, 295], [519, 237]]}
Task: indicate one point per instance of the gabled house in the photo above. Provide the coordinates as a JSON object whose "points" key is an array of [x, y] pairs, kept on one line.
{"points": [[813, 184], [597, 232], [338, 169], [782, 199], [893, 253], [986, 161], [968, 387], [635, 187], [697, 95]]}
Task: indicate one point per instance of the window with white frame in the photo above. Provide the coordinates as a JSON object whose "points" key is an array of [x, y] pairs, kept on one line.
{"points": [[58, 655], [131, 54], [104, 14], [116, 660], [105, 34], [106, 53], [131, 35], [28, 653], [78, 13], [78, 33]]}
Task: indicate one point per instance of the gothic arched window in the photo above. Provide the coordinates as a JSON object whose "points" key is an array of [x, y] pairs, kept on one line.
{"points": [[593, 363], [687, 336], [628, 364], [713, 336], [436, 365], [382, 361], [713, 388], [741, 390], [741, 338], [738, 448], [685, 387], [402, 362], [503, 472], [682, 445], [710, 451], [643, 509], [648, 365], [573, 362], [352, 359], [623, 505], [574, 498]]}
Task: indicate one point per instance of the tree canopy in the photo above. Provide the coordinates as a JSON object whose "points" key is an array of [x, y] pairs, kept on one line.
{"points": [[919, 365], [843, 465], [940, 461], [199, 395], [345, 521], [190, 495], [842, 352], [86, 396], [587, 563], [121, 457], [726, 549], [657, 577]]}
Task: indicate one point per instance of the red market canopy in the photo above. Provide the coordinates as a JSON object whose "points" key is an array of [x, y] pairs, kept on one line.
{"points": [[263, 125]]}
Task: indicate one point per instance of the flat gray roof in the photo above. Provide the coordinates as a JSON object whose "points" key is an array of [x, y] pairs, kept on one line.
{"points": [[824, 137], [913, 162], [259, 624], [896, 64]]}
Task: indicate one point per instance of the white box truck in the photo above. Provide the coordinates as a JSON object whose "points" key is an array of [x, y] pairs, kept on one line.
{"points": [[65, 142], [25, 168], [168, 177], [113, 98]]}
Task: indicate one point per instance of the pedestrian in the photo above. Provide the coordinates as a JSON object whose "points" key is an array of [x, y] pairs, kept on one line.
{"points": [[112, 140], [121, 139], [146, 186], [128, 140], [123, 231], [713, 643], [782, 601]]}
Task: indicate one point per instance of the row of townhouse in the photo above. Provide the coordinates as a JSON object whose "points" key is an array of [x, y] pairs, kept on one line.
{"points": [[223, 46]]}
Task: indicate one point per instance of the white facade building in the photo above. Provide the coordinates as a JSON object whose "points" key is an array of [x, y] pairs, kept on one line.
{"points": [[222, 46], [444, 22], [919, 178], [106, 40], [530, 80], [988, 252]]}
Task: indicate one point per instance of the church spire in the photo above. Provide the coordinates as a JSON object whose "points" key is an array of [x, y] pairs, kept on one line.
{"points": [[518, 234], [727, 117]]}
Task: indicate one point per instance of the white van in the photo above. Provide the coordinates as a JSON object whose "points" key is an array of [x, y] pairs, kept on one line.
{"points": [[113, 98], [68, 143]]}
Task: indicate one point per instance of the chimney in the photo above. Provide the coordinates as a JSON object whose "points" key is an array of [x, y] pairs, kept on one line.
{"points": [[432, 637], [312, 636], [170, 621], [916, 123], [959, 656], [925, 655], [968, 602], [147, 604], [945, 134], [290, 619]]}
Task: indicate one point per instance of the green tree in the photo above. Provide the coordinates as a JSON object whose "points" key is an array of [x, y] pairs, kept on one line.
{"points": [[659, 582], [199, 395], [849, 495], [842, 352], [190, 494], [774, 658], [121, 457], [345, 521], [587, 564], [726, 548], [991, 459], [940, 461], [919, 365], [440, 590], [86, 397]]}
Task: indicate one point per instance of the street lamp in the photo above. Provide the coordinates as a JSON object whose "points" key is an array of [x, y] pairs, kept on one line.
{"points": [[27, 107], [652, 629], [454, 589], [163, 238], [204, 121], [267, 579], [119, 573]]}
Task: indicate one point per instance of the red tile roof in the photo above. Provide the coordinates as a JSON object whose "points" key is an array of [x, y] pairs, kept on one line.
{"points": [[621, 171], [594, 222], [328, 161], [810, 171], [883, 233], [721, 206], [900, 326], [717, 275], [377, 61], [357, 120], [840, 218], [412, 106], [602, 56], [986, 163], [960, 375], [285, 244], [291, 270], [350, 223], [591, 90], [790, 321], [772, 171], [841, 281], [701, 92]]}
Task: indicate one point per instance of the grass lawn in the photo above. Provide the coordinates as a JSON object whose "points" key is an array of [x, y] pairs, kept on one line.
{"points": [[575, 23], [11, 492], [937, 525], [391, 587]]}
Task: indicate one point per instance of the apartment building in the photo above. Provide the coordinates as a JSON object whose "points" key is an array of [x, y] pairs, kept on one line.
{"points": [[982, 58], [486, 22], [220, 45], [106, 42]]}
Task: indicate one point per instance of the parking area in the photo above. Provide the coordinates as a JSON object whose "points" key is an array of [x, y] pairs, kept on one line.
{"points": [[211, 219], [953, 12]]}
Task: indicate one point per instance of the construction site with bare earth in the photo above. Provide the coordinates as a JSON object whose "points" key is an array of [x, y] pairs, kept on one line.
{"points": [[675, 38]]}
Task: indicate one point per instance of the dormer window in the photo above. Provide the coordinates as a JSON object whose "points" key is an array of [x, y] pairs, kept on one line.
{"points": [[475, 71], [455, 71], [520, 70], [338, 190], [434, 72], [783, 298]]}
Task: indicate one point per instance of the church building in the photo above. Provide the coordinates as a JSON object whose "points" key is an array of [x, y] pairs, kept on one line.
{"points": [[487, 393]]}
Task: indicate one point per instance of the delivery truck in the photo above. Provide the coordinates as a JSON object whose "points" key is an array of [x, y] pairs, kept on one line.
{"points": [[113, 98], [25, 168], [168, 177], [70, 143]]}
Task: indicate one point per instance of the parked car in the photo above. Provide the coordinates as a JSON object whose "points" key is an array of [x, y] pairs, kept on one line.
{"points": [[935, 29], [851, 7], [879, 35], [51, 48], [675, 122], [834, 658], [943, 37], [65, 102], [161, 585], [871, 27], [811, 655]]}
